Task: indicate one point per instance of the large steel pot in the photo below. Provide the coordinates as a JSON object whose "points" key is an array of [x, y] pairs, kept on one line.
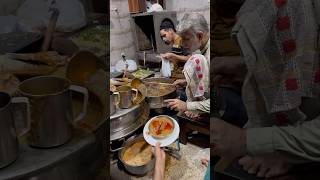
{"points": [[51, 109], [123, 118], [137, 170], [126, 121], [157, 102], [9, 147]]}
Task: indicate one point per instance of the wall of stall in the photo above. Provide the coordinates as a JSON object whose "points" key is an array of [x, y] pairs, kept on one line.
{"points": [[121, 36]]}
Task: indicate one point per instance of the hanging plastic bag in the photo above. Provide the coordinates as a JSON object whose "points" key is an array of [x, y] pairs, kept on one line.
{"points": [[155, 7], [165, 68]]}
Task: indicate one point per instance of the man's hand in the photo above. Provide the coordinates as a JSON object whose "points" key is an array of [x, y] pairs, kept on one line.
{"points": [[180, 83], [160, 162], [192, 115], [228, 70], [170, 56], [176, 104], [228, 140]]}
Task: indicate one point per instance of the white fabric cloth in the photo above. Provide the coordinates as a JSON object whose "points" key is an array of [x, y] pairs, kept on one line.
{"points": [[148, 6], [165, 68], [121, 65], [155, 7]]}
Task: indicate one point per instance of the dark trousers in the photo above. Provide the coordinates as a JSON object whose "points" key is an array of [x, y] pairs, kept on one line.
{"points": [[234, 109]]}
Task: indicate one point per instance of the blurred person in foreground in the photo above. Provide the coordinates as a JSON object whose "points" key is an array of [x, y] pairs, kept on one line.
{"points": [[280, 90]]}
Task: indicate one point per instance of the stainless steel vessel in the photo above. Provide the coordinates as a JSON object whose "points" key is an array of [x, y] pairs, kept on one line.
{"points": [[51, 109], [126, 98], [113, 103], [126, 121], [137, 170], [157, 102], [9, 146]]}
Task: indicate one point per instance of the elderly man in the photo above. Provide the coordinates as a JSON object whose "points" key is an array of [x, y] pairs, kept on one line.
{"points": [[201, 38], [280, 91], [194, 32]]}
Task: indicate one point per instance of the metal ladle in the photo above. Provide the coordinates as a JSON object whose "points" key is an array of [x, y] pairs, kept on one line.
{"points": [[126, 63]]}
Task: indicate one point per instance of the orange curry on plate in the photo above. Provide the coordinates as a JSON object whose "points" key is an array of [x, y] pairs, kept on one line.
{"points": [[161, 127]]}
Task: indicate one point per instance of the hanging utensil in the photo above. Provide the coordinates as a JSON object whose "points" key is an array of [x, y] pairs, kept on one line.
{"points": [[126, 64], [51, 28], [144, 59]]}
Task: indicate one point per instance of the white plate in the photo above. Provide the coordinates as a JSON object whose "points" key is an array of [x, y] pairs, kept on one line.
{"points": [[165, 141]]}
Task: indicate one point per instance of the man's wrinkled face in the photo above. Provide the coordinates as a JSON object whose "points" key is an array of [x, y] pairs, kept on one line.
{"points": [[191, 41], [167, 36]]}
